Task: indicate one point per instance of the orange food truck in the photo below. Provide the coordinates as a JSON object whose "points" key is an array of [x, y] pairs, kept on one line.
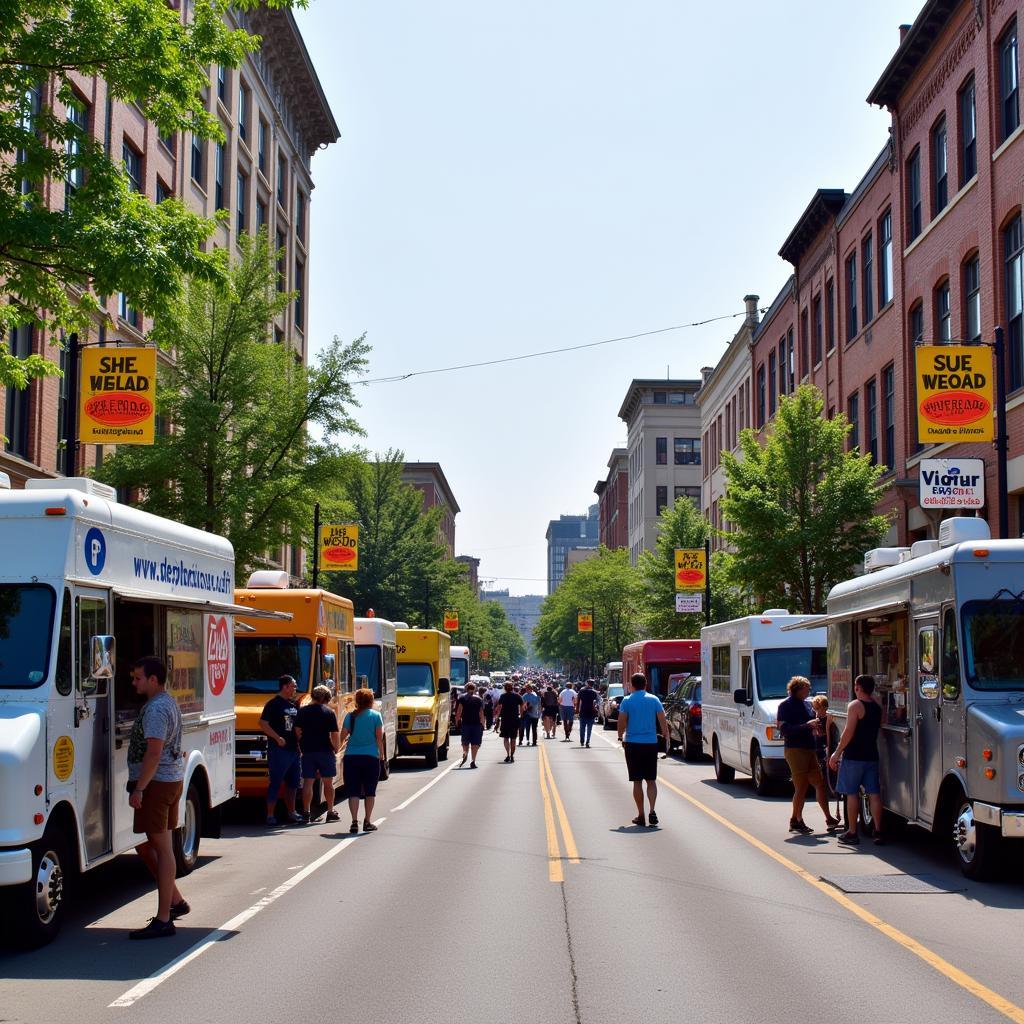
{"points": [[316, 646]]}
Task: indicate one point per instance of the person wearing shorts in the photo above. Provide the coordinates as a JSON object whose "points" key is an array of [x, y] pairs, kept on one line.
{"points": [[567, 710], [156, 774], [641, 718], [316, 726], [549, 702], [364, 729], [510, 705], [856, 756], [469, 717]]}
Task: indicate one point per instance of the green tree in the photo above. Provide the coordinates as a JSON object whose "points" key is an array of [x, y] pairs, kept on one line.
{"points": [[106, 238], [802, 507], [484, 626], [239, 457]]}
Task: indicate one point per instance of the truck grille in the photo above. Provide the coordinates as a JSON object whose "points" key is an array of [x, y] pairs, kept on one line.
{"points": [[404, 722]]}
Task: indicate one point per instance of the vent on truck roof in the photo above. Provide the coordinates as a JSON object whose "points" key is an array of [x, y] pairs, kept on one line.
{"points": [[882, 558], [73, 483], [775, 611], [962, 528], [268, 579]]}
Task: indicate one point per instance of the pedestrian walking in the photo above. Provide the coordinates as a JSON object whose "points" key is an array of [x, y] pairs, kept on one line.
{"points": [[531, 715], [567, 710], [549, 710], [510, 706], [641, 719], [156, 772], [488, 709], [277, 723], [857, 759], [469, 717], [363, 727], [496, 692], [316, 726], [800, 727], [586, 707]]}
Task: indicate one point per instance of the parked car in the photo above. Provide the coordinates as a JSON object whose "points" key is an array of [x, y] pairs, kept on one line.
{"points": [[610, 704], [683, 711]]}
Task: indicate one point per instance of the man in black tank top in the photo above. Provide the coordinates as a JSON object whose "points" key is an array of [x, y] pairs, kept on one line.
{"points": [[858, 749]]}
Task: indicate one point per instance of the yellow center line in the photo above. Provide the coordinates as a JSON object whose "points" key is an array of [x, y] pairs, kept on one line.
{"points": [[554, 854], [570, 841], [1009, 1010]]}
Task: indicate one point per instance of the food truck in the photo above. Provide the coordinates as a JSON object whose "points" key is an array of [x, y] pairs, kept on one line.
{"points": [[87, 587], [377, 669], [940, 627], [424, 693]]}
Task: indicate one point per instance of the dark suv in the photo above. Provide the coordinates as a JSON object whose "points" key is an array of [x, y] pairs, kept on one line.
{"points": [[682, 709]]}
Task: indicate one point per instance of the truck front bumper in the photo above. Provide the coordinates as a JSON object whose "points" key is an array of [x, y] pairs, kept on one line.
{"points": [[15, 867], [414, 742], [1010, 823]]}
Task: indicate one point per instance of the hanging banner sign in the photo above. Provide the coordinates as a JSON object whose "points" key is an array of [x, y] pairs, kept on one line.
{"points": [[451, 621], [686, 603], [955, 393], [952, 483], [584, 622], [117, 402], [691, 569], [339, 547]]}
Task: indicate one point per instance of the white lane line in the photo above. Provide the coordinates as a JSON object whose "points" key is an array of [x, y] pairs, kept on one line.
{"points": [[420, 792], [144, 987], [611, 743]]}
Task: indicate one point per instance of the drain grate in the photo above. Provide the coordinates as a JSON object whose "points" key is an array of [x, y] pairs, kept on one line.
{"points": [[896, 884]]}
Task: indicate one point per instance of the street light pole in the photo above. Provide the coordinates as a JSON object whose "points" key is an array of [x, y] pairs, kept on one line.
{"points": [[1002, 439]]}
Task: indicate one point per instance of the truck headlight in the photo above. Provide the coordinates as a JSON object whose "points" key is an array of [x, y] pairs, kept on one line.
{"points": [[420, 722]]}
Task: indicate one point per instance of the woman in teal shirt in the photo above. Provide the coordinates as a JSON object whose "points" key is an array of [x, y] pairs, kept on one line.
{"points": [[364, 730]]}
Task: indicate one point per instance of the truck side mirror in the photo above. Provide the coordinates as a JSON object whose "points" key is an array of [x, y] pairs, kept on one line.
{"points": [[739, 696], [444, 686]]}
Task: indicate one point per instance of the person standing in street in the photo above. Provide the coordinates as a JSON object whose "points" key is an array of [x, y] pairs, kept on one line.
{"points": [[488, 709], [277, 723], [156, 772], [567, 709], [469, 718], [549, 707], [586, 707], [641, 719], [510, 706], [800, 727], [531, 715], [857, 759], [361, 765], [316, 726], [496, 693]]}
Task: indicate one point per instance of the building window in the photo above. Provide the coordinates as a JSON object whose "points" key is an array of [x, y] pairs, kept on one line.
{"points": [[760, 396], [661, 451], [300, 215], [943, 322], [771, 383], [680, 398], [78, 120], [261, 146], [660, 499], [281, 271], [782, 365], [968, 133], [1013, 247], [300, 273], [867, 276], [830, 315], [914, 213], [222, 83], [282, 175], [686, 451], [817, 331], [261, 214], [940, 178], [241, 198], [660, 398], [692, 493], [243, 111], [790, 361], [917, 324], [885, 259], [853, 415], [218, 177], [197, 160], [871, 413], [805, 341], [851, 296], [972, 299], [132, 165], [889, 415], [1009, 113], [128, 313], [16, 418], [162, 192]]}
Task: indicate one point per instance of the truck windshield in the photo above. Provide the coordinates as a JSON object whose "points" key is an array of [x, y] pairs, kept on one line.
{"points": [[776, 667], [460, 672], [368, 664], [260, 661], [658, 673], [994, 644], [415, 681], [26, 625], [614, 690], [614, 676]]}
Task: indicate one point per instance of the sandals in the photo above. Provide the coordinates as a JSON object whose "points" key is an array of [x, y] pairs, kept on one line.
{"points": [[368, 826], [354, 827], [640, 820]]}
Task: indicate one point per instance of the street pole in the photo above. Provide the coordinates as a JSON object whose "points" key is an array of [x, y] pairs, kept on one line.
{"points": [[707, 581], [71, 406], [316, 544], [1002, 439], [593, 636]]}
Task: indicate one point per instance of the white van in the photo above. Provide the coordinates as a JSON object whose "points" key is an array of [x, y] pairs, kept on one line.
{"points": [[87, 587], [746, 664], [377, 669]]}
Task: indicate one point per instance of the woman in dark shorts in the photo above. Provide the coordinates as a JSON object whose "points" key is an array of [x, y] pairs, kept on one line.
{"points": [[364, 730], [469, 718], [549, 711], [510, 706]]}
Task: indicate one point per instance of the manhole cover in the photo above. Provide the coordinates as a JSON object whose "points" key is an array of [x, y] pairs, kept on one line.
{"points": [[898, 884]]}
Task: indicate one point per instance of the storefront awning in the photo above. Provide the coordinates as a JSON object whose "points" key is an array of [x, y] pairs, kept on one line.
{"points": [[856, 613], [197, 604]]}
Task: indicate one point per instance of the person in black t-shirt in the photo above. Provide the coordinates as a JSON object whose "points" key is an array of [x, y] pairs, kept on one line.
{"points": [[469, 717], [509, 708], [586, 708], [277, 723], [316, 725]]}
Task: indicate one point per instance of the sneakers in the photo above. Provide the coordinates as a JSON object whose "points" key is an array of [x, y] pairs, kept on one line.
{"points": [[179, 909], [296, 819], [640, 820], [156, 929], [849, 839], [332, 816], [271, 821], [507, 760], [652, 818], [588, 746], [833, 824], [799, 827], [472, 764]]}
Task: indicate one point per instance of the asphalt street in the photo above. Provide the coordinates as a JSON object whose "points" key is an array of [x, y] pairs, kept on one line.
{"points": [[523, 892]]}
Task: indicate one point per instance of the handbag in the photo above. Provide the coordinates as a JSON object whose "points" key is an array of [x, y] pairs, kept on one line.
{"points": [[384, 771]]}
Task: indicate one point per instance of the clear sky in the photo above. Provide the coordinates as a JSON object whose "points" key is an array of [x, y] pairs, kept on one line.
{"points": [[518, 175]]}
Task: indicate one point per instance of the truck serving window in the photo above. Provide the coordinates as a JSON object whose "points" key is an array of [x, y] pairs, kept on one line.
{"points": [[415, 680], [776, 667], [368, 664], [26, 625], [994, 644], [260, 661]]}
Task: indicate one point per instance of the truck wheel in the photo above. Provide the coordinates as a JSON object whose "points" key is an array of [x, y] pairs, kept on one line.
{"points": [[432, 753], [38, 907], [762, 782], [723, 772], [185, 839], [976, 845], [690, 750], [443, 752]]}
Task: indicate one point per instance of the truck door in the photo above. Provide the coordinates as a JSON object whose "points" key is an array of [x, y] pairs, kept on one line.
{"points": [[927, 717], [93, 684], [745, 720]]}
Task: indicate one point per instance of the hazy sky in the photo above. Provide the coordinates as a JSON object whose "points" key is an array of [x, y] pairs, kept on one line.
{"points": [[517, 175]]}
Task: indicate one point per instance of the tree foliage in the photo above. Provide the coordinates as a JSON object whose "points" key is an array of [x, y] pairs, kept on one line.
{"points": [[105, 238], [802, 508], [484, 626], [240, 458]]}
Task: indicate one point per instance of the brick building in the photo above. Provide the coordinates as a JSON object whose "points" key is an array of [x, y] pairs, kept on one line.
{"points": [[429, 478], [613, 501]]}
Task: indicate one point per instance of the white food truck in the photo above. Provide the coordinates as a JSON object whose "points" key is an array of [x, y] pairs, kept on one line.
{"points": [[940, 627], [87, 587], [377, 669], [745, 666]]}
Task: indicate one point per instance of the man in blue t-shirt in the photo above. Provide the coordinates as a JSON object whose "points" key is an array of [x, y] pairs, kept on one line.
{"points": [[641, 718]]}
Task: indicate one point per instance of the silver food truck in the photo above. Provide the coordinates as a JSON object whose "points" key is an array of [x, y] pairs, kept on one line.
{"points": [[87, 587], [940, 627]]}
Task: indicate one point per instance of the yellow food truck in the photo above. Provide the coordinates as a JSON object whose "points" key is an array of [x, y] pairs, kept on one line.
{"points": [[424, 693], [316, 646]]}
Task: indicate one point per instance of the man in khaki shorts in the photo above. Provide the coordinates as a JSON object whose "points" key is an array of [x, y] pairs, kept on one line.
{"points": [[155, 775]]}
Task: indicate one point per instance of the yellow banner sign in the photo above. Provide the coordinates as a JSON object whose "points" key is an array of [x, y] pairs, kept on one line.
{"points": [[118, 396], [955, 393], [451, 621], [339, 547], [691, 569], [585, 622]]}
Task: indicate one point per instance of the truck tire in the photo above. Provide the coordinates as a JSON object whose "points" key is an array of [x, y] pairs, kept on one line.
{"points": [[758, 772], [975, 845], [442, 754], [36, 910], [431, 756], [185, 839], [691, 752], [723, 772]]}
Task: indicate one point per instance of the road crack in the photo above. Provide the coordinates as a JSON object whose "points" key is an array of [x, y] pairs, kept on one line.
{"points": [[573, 978]]}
